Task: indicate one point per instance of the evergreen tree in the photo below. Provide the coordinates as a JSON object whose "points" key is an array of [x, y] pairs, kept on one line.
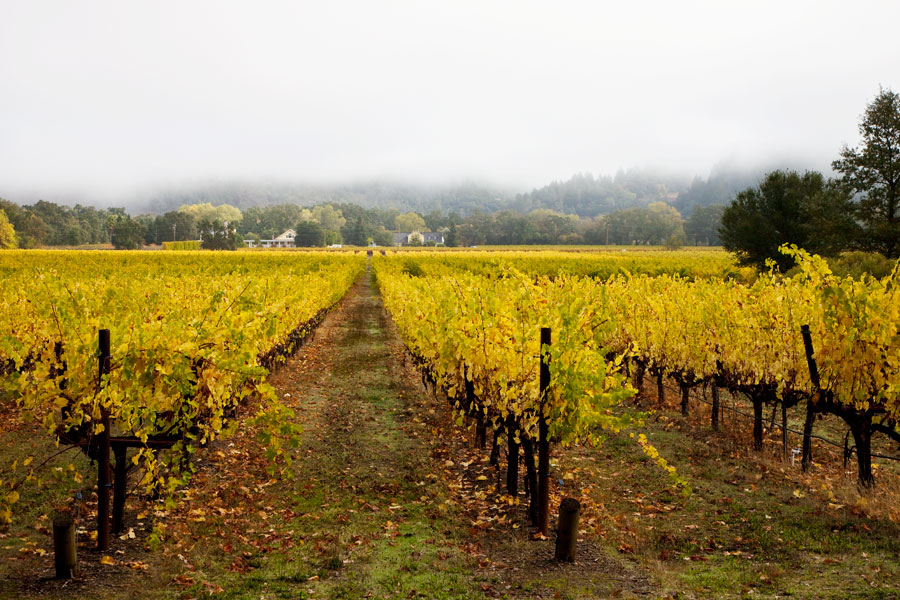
{"points": [[787, 208], [356, 233], [452, 239], [309, 234]]}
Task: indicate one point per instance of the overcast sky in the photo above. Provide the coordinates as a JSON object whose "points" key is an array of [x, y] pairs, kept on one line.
{"points": [[115, 97]]}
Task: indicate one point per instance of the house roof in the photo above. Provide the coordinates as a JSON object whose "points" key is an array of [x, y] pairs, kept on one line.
{"points": [[287, 235]]}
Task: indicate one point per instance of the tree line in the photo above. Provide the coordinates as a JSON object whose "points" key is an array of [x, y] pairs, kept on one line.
{"points": [[225, 226]]}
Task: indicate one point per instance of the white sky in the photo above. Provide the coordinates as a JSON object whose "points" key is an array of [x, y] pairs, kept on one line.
{"points": [[113, 97]]}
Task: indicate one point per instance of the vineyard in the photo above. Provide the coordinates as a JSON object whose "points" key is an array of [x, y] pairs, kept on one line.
{"points": [[187, 341], [832, 344], [548, 377]]}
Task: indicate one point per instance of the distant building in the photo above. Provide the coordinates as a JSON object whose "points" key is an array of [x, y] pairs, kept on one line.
{"points": [[285, 240], [429, 238]]}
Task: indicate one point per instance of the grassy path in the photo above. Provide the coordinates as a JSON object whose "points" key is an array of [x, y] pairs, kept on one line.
{"points": [[363, 516], [381, 526]]}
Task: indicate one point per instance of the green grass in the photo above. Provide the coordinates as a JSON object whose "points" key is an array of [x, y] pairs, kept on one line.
{"points": [[748, 528]]}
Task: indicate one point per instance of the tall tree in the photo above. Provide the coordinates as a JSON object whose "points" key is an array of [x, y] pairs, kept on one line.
{"points": [[218, 235], [787, 208], [383, 237], [409, 222], [125, 232], [356, 233], [31, 231], [873, 172], [329, 218], [452, 239], [702, 227], [309, 234], [174, 226]]}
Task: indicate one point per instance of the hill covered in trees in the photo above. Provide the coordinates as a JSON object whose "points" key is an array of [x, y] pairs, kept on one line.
{"points": [[583, 194], [635, 206]]}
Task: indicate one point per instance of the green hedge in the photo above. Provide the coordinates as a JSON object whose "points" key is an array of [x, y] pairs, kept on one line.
{"points": [[186, 245]]}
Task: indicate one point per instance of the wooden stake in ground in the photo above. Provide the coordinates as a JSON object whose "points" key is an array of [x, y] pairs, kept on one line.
{"points": [[119, 490], [567, 531], [64, 549]]}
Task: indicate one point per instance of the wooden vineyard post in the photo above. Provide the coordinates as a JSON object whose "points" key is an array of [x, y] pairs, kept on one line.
{"points": [[103, 458], [810, 410], [480, 429], [65, 555], [639, 377], [660, 389], [512, 457], [543, 507], [120, 480], [757, 400], [531, 478], [716, 409], [567, 532], [784, 435], [715, 406]]}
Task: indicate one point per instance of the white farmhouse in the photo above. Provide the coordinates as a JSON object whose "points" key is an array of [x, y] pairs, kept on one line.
{"points": [[285, 240]]}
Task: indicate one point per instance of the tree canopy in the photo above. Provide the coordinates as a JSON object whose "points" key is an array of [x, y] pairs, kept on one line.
{"points": [[873, 172], [409, 222], [125, 233], [702, 227], [218, 235], [787, 208], [355, 233], [209, 213], [309, 234]]}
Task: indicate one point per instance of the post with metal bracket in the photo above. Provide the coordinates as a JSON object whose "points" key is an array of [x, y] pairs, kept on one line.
{"points": [[543, 441], [103, 484]]}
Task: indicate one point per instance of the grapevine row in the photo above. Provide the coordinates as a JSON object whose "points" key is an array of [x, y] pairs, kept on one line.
{"points": [[194, 336], [481, 326]]}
